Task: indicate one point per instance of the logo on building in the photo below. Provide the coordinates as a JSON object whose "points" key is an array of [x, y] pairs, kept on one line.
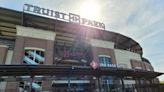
{"points": [[74, 18], [78, 54], [94, 64]]}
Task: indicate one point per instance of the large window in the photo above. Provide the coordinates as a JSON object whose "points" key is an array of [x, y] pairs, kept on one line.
{"points": [[32, 56], [24, 86], [107, 83], [105, 61]]}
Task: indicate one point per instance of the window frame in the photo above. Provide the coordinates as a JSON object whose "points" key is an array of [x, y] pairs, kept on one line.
{"points": [[105, 61], [35, 50]]}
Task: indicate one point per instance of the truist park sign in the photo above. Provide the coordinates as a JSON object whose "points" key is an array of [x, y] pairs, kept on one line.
{"points": [[62, 16]]}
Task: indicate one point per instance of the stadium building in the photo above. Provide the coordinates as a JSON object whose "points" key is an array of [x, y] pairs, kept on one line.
{"points": [[49, 51]]}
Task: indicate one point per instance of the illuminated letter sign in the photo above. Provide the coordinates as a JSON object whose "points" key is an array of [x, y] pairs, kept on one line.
{"points": [[74, 18], [62, 16]]}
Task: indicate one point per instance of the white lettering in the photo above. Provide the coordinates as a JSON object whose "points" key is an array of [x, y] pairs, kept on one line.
{"points": [[63, 16]]}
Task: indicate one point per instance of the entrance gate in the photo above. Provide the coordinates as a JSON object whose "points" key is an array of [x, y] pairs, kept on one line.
{"points": [[73, 84]]}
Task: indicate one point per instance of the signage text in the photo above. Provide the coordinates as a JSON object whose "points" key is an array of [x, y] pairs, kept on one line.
{"points": [[63, 16]]}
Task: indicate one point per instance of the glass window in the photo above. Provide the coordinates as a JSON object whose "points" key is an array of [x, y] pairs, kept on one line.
{"points": [[24, 86], [107, 83], [104, 61], [32, 56]]}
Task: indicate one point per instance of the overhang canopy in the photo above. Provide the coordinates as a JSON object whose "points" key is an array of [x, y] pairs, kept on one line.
{"points": [[51, 70]]}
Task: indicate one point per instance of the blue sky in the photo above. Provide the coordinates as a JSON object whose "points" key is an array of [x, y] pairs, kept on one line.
{"points": [[142, 20]]}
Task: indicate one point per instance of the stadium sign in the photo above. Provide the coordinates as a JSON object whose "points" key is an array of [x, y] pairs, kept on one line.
{"points": [[77, 54], [62, 16]]}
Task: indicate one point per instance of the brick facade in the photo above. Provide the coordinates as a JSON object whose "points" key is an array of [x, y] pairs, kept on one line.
{"points": [[3, 53]]}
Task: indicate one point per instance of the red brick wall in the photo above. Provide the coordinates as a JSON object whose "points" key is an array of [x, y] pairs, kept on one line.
{"points": [[22, 42], [3, 54], [18, 50], [18, 54], [143, 65], [11, 87], [34, 42], [136, 63], [49, 54]]}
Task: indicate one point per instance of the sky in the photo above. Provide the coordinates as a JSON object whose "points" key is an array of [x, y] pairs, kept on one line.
{"points": [[142, 20]]}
